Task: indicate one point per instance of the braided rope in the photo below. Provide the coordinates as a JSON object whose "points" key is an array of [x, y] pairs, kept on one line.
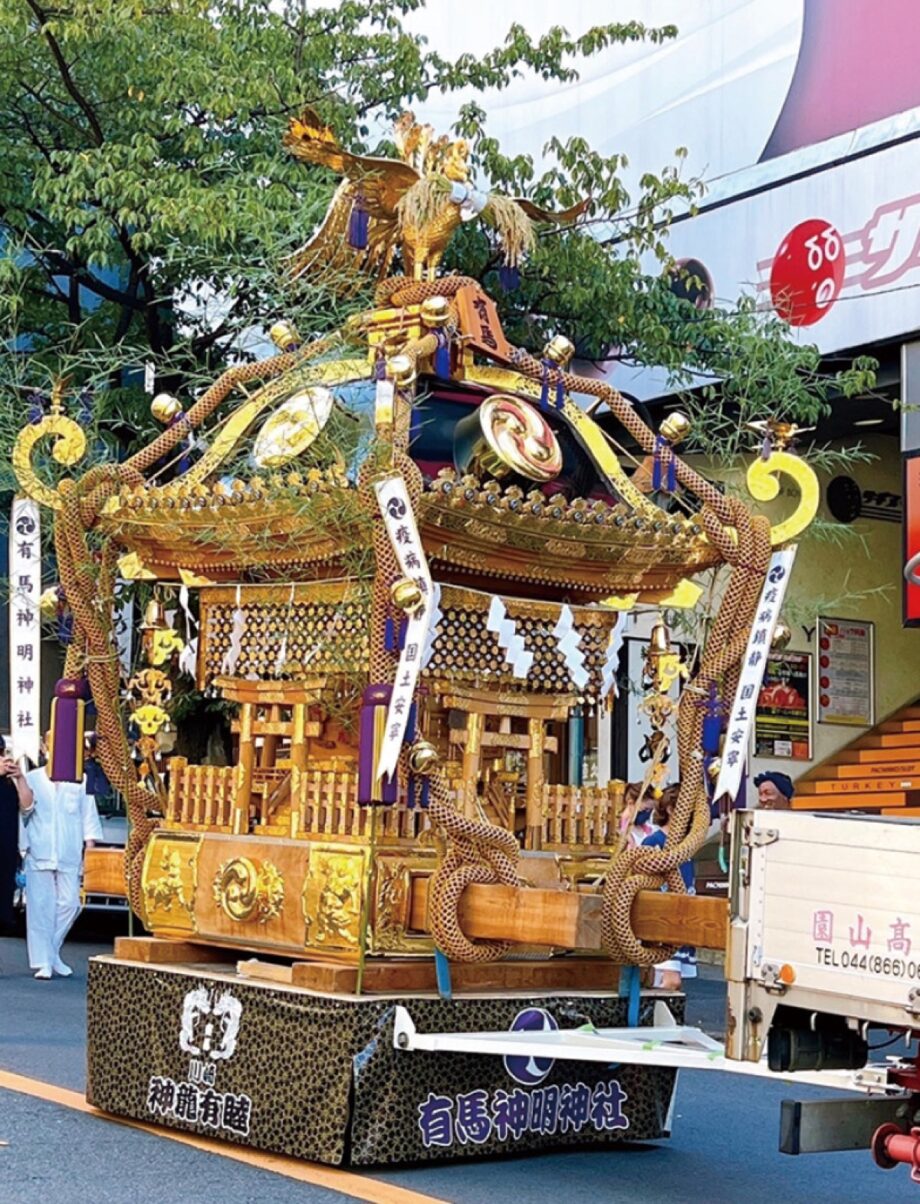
{"points": [[480, 852], [88, 568]]}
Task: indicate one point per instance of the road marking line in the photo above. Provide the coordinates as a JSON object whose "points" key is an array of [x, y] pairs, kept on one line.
{"points": [[349, 1183]]}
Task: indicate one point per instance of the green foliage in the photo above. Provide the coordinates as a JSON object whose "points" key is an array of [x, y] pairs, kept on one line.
{"points": [[147, 205]]}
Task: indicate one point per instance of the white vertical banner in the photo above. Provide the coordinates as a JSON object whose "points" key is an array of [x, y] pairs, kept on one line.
{"points": [[402, 532], [25, 628], [755, 662]]}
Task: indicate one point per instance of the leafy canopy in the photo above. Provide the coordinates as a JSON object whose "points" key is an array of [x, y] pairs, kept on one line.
{"points": [[147, 203]]}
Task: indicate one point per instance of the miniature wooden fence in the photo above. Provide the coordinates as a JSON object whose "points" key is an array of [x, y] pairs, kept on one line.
{"points": [[584, 816], [327, 805], [200, 796]]}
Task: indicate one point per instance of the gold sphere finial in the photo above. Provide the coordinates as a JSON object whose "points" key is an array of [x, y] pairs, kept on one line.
{"points": [[675, 428], [559, 350], [435, 311], [406, 594], [165, 408], [401, 370], [782, 635], [423, 757], [284, 335]]}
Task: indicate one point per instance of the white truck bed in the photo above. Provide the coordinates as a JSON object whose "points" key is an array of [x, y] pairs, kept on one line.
{"points": [[825, 917]]}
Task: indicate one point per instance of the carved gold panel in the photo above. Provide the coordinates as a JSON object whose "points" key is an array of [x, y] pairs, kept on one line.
{"points": [[168, 880], [333, 898], [249, 890], [394, 877]]}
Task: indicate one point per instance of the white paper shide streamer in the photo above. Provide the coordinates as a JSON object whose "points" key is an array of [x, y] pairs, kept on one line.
{"points": [[612, 658], [235, 645], [510, 642], [568, 641], [25, 628], [755, 662], [402, 532]]}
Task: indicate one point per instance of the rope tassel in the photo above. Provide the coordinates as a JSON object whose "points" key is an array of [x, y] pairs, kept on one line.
{"points": [[664, 468]]}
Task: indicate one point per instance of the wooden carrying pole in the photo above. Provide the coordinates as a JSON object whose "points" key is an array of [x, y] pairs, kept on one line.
{"points": [[572, 920]]}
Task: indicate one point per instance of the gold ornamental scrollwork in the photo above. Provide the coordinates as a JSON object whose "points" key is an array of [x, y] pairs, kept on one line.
{"points": [[248, 891], [763, 485], [68, 449]]}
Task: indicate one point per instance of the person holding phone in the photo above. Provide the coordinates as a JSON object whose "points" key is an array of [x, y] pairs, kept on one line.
{"points": [[60, 821], [15, 796]]}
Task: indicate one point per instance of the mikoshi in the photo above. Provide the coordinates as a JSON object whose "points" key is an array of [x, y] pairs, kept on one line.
{"points": [[402, 555]]}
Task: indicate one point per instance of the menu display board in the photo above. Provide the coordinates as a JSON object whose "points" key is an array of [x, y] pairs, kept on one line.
{"points": [[846, 672], [782, 722]]}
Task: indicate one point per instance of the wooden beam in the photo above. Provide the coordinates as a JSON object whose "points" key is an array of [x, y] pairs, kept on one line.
{"points": [[392, 976], [572, 920]]}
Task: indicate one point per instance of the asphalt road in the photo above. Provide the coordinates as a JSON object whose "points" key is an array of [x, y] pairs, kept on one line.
{"points": [[723, 1149]]}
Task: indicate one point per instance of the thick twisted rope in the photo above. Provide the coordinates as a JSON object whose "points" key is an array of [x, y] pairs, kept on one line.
{"points": [[475, 852], [87, 570]]}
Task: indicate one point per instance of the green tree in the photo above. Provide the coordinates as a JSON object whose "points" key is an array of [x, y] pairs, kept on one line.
{"points": [[147, 204]]}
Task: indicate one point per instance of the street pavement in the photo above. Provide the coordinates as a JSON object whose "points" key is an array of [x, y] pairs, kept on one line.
{"points": [[723, 1148]]}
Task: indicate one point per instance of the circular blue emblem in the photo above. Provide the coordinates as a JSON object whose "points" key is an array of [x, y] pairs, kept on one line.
{"points": [[524, 1069]]}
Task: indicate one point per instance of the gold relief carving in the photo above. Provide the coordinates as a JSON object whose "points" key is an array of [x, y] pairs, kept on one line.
{"points": [[392, 900], [582, 873], [332, 898], [168, 889], [169, 877], [248, 891]]}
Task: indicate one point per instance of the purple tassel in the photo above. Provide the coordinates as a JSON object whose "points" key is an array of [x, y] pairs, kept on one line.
{"points": [[656, 462], [661, 479], [380, 367], [509, 277], [559, 402], [442, 356], [375, 698], [766, 448], [389, 635], [36, 408], [358, 224], [85, 410], [68, 709], [426, 784], [65, 628]]}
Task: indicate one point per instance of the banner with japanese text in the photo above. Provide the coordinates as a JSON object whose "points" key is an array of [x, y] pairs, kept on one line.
{"points": [[756, 655], [402, 532], [25, 566]]}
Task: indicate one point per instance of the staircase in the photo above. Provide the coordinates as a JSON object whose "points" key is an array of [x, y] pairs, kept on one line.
{"points": [[879, 772]]}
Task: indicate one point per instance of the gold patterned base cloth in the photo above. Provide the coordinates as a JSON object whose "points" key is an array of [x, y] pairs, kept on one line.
{"points": [[277, 1068]]}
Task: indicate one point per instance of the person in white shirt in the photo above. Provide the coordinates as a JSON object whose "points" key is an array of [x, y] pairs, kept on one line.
{"points": [[61, 822]]}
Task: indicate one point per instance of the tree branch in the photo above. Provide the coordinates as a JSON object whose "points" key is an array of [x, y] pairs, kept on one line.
{"points": [[64, 71]]}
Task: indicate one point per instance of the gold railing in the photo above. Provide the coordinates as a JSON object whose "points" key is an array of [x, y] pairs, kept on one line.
{"points": [[325, 805], [200, 796], [586, 817]]}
